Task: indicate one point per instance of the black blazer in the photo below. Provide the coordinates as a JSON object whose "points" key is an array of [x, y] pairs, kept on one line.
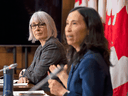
{"points": [[52, 52]]}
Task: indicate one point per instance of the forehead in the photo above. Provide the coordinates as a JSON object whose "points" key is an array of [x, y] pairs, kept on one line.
{"points": [[75, 15], [36, 19]]}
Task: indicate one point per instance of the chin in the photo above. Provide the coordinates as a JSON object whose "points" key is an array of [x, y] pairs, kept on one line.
{"points": [[69, 43], [39, 38]]}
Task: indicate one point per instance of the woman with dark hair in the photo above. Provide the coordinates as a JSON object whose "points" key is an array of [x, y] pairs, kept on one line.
{"points": [[88, 56]]}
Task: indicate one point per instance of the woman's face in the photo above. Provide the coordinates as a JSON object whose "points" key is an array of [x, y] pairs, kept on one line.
{"points": [[39, 30], [75, 29]]}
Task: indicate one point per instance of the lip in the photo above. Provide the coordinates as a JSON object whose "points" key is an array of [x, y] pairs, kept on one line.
{"points": [[69, 36], [38, 34]]}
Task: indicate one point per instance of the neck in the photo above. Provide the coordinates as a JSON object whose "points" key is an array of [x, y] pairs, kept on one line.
{"points": [[77, 48], [42, 42]]}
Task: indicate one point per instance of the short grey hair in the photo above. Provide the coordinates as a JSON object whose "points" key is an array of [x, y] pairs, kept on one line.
{"points": [[41, 16]]}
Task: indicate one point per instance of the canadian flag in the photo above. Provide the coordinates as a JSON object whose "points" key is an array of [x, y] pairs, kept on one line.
{"points": [[81, 3], [86, 3], [116, 32]]}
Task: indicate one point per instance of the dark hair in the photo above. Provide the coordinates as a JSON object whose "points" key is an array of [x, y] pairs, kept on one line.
{"points": [[95, 40]]}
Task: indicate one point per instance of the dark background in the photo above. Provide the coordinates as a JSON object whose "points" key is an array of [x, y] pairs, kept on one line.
{"points": [[15, 16]]}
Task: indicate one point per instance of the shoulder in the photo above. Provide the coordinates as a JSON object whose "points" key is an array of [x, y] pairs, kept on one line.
{"points": [[38, 48], [53, 42], [92, 55], [94, 59]]}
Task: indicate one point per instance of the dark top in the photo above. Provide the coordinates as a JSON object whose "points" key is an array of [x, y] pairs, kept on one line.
{"points": [[52, 52], [91, 77]]}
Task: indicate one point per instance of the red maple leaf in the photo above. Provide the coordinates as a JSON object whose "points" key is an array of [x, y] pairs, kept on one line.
{"points": [[80, 1], [117, 34]]}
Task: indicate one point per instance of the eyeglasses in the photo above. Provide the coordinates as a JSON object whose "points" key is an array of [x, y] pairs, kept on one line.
{"points": [[40, 25]]}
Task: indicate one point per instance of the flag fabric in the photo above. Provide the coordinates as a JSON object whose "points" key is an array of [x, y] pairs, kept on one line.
{"points": [[116, 32], [86, 3], [81, 3], [102, 10], [92, 4]]}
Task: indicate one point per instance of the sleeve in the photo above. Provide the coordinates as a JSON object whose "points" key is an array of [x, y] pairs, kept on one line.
{"points": [[49, 56], [92, 78]]}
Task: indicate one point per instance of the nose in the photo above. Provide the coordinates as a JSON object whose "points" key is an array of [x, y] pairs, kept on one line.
{"points": [[68, 28], [37, 28]]}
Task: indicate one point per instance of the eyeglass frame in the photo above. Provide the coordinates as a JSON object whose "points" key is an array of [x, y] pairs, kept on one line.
{"points": [[40, 25]]}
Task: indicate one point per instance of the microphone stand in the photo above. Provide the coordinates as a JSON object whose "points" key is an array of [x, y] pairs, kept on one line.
{"points": [[45, 80]]}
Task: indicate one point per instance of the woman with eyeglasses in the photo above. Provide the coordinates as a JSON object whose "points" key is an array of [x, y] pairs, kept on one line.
{"points": [[51, 51]]}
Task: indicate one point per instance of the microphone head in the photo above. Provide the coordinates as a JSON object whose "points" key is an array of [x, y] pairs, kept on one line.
{"points": [[13, 66]]}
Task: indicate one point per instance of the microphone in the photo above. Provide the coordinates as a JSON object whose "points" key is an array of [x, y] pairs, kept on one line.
{"points": [[12, 66], [45, 80]]}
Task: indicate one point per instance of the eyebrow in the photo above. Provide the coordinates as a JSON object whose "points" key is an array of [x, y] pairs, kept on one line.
{"points": [[38, 23], [73, 20], [34, 22]]}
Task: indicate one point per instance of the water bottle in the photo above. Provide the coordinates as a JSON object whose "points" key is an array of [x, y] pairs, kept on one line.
{"points": [[8, 82]]}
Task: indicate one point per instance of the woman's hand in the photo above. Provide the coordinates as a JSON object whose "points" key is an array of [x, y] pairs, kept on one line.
{"points": [[22, 72], [63, 72], [56, 88], [23, 80], [63, 76]]}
